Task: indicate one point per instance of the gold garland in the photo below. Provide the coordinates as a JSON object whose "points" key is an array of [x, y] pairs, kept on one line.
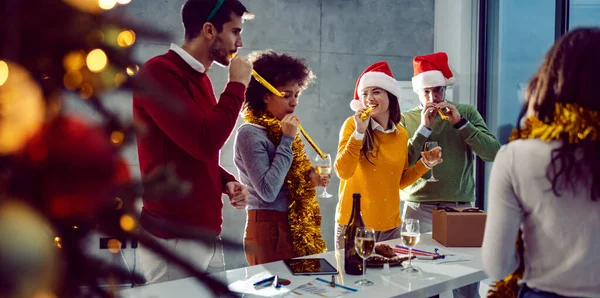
{"points": [[304, 214], [570, 120]]}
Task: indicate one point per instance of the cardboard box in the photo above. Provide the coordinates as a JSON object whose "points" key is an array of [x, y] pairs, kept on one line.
{"points": [[458, 228]]}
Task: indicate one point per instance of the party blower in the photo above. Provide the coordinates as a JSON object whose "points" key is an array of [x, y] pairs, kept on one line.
{"points": [[442, 111]]}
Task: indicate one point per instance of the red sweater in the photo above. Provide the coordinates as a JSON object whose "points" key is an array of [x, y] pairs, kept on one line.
{"points": [[188, 132]]}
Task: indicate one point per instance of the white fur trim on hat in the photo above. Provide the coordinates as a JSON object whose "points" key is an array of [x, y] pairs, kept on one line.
{"points": [[356, 104], [378, 79], [432, 78]]}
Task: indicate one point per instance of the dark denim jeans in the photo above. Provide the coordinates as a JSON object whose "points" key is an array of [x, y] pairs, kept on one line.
{"points": [[527, 292]]}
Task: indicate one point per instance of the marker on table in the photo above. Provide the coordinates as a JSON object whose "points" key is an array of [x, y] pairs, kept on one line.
{"points": [[276, 284], [264, 281]]}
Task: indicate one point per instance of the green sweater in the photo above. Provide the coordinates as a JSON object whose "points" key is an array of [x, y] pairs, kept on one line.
{"points": [[457, 183]]}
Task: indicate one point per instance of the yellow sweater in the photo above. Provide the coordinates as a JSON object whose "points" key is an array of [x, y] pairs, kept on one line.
{"points": [[379, 183]]}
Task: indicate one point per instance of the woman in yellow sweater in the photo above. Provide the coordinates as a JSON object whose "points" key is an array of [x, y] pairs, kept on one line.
{"points": [[372, 156]]}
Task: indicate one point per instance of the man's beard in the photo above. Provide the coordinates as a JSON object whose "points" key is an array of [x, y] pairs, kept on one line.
{"points": [[218, 53]]}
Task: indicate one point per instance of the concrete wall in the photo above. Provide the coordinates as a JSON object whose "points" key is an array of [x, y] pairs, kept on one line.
{"points": [[338, 39]]}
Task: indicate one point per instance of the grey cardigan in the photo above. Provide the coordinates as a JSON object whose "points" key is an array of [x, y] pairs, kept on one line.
{"points": [[560, 234], [262, 166]]}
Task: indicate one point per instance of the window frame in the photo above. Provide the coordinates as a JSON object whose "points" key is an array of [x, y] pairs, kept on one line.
{"points": [[483, 52]]}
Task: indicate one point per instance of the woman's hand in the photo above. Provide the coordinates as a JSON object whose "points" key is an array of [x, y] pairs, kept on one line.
{"points": [[432, 157], [361, 125], [317, 179], [289, 125]]}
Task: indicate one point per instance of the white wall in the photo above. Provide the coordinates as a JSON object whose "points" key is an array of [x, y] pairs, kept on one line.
{"points": [[455, 32]]}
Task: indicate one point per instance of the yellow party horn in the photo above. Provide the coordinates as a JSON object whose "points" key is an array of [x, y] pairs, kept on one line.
{"points": [[273, 90], [266, 84], [365, 114], [311, 142], [444, 117], [262, 81]]}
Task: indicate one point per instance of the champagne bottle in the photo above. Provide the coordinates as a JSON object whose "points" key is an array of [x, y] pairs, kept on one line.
{"points": [[352, 262]]}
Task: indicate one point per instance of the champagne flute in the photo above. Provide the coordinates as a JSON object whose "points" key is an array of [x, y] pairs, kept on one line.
{"points": [[410, 233], [431, 154], [364, 243], [324, 170]]}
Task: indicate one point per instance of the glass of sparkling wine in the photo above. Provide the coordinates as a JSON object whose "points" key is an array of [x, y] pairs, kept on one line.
{"points": [[364, 242], [324, 170], [411, 234], [431, 155]]}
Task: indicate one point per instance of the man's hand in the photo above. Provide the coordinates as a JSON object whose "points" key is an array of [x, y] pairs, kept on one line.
{"points": [[238, 194], [428, 114], [240, 70], [452, 112], [361, 126]]}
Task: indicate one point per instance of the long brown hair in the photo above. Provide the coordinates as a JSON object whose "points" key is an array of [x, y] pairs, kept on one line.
{"points": [[395, 116], [570, 73]]}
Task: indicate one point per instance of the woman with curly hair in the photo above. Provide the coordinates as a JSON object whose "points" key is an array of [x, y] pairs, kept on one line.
{"points": [[545, 184], [284, 220]]}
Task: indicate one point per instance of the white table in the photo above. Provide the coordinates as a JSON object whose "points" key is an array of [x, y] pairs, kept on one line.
{"points": [[433, 279]]}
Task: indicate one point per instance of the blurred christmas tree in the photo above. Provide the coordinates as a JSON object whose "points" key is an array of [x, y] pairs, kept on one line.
{"points": [[61, 178]]}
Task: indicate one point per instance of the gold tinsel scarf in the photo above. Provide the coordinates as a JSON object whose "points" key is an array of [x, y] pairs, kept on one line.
{"points": [[571, 121], [304, 215]]}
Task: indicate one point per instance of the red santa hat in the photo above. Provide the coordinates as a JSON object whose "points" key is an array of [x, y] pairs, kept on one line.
{"points": [[376, 75], [431, 71]]}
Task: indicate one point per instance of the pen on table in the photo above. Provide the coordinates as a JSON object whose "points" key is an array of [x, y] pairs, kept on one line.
{"points": [[332, 283], [263, 281], [417, 250], [431, 257]]}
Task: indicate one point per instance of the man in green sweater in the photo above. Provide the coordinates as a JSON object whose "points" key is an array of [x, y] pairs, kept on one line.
{"points": [[461, 132]]}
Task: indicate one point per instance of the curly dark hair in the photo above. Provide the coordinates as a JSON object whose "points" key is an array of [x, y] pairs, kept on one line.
{"points": [[569, 74], [195, 12], [277, 69]]}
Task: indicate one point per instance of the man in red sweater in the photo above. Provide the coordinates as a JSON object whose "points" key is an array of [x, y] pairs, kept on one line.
{"points": [[188, 129]]}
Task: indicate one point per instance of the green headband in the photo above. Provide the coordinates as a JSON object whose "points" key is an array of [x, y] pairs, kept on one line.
{"points": [[214, 11]]}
